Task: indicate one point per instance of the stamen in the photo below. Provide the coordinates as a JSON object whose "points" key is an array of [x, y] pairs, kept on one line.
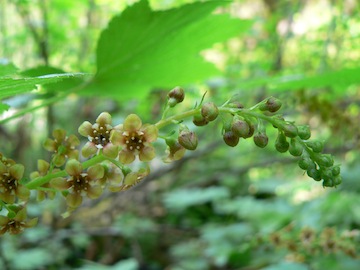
{"points": [[137, 147], [140, 141]]}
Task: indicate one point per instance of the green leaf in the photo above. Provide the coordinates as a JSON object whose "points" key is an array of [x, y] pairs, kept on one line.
{"points": [[10, 87], [6, 68], [59, 86], [143, 49], [3, 107]]}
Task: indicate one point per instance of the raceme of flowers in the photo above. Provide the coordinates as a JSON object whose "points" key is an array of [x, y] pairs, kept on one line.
{"points": [[111, 149]]}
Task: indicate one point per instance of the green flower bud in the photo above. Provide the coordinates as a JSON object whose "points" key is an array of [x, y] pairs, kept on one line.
{"points": [[337, 180], [176, 96], [261, 140], [230, 138], [290, 130], [209, 111], [324, 160], [304, 132], [316, 146], [240, 127], [295, 149], [314, 174], [328, 183], [188, 139], [272, 105], [335, 170], [199, 120], [326, 174], [281, 143], [306, 163]]}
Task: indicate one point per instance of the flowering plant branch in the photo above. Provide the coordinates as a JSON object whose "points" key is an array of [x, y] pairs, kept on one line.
{"points": [[111, 149]]}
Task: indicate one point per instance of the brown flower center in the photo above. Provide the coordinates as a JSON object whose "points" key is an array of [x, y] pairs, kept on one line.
{"points": [[80, 183], [8, 182], [134, 141], [101, 136]]}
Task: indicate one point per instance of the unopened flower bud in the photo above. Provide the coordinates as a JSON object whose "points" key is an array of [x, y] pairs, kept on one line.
{"points": [[306, 163], [290, 130], [314, 174], [199, 120], [272, 105], [209, 111], [304, 132], [261, 140], [316, 146], [295, 148], [335, 170], [176, 96], [324, 160], [188, 139], [240, 128], [281, 143], [230, 138]]}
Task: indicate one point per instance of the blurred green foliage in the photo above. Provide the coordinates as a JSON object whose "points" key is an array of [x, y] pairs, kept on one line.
{"points": [[218, 208]]}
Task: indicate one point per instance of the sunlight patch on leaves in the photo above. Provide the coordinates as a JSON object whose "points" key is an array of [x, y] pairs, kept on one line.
{"points": [[143, 49]]}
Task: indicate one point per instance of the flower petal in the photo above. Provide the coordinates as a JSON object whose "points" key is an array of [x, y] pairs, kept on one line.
{"points": [[74, 200], [89, 149], [147, 153], [132, 123], [21, 215], [43, 166], [4, 220], [73, 140], [23, 192], [3, 168], [95, 172], [50, 145], [17, 171], [94, 192], [116, 137], [111, 150], [60, 183], [151, 132], [73, 167], [126, 157], [7, 197], [103, 119], [59, 135], [59, 160], [31, 223], [85, 129], [73, 154]]}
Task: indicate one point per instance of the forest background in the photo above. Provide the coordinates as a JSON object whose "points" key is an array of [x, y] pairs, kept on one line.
{"points": [[218, 207]]}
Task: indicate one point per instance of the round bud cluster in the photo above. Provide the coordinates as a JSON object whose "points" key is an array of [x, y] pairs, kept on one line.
{"points": [[176, 96], [317, 165]]}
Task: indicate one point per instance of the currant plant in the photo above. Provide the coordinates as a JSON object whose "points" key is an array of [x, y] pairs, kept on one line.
{"points": [[118, 155]]}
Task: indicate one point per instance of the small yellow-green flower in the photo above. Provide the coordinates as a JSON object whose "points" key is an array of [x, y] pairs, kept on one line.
{"points": [[99, 137], [175, 151], [10, 188], [131, 179], [79, 183], [63, 146], [45, 189], [16, 224], [135, 138]]}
